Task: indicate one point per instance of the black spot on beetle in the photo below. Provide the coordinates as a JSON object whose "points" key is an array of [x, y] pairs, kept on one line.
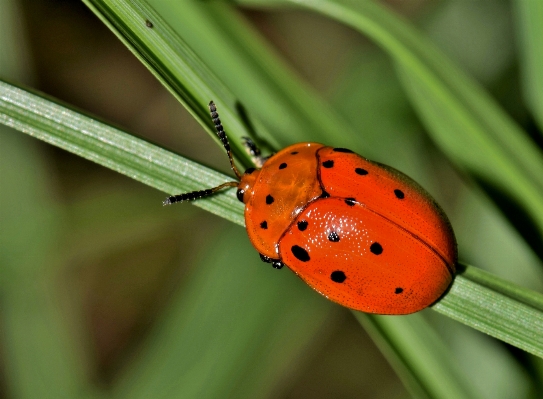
{"points": [[338, 276], [239, 194], [269, 199], [249, 171], [333, 236], [343, 150], [293, 152], [361, 172], [300, 253], [328, 164], [350, 201], [283, 165], [302, 225], [399, 194], [264, 224], [376, 248], [398, 290]]}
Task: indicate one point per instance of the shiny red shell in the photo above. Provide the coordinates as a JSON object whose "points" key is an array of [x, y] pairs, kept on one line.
{"points": [[360, 233]]}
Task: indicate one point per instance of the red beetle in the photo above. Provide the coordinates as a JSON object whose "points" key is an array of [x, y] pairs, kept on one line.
{"points": [[361, 233]]}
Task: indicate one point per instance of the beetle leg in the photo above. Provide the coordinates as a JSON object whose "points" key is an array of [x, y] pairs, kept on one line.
{"points": [[277, 264], [255, 153]]}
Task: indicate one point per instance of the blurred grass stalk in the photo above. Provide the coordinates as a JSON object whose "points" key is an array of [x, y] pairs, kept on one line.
{"points": [[40, 353], [529, 18]]}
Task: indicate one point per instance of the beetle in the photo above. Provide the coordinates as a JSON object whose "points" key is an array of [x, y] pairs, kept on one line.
{"points": [[359, 232]]}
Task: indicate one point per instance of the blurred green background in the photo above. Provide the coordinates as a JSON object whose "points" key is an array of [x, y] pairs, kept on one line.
{"points": [[105, 293]]}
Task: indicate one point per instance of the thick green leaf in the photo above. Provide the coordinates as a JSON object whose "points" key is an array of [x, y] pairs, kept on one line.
{"points": [[529, 26]]}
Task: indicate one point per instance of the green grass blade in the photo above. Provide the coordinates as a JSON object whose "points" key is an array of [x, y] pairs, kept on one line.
{"points": [[235, 51], [418, 355], [108, 146], [174, 64], [496, 307], [529, 26]]}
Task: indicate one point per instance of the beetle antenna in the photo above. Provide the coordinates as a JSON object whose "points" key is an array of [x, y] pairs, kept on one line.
{"points": [[194, 195], [222, 136]]}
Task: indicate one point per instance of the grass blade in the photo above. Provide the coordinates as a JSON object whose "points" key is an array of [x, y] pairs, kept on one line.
{"points": [[496, 307], [108, 146], [174, 64], [418, 355], [247, 64], [529, 25], [224, 46]]}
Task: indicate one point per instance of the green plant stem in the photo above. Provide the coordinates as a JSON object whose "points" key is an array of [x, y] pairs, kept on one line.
{"points": [[529, 26]]}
